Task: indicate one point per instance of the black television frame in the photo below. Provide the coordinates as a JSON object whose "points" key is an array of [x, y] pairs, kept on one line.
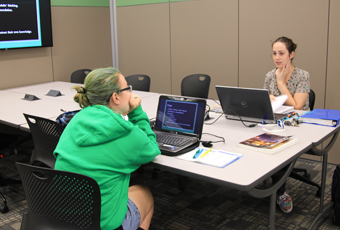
{"points": [[44, 40]]}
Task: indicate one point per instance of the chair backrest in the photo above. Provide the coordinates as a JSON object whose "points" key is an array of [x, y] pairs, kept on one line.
{"points": [[79, 75], [59, 200], [139, 82], [196, 85], [45, 135], [311, 99]]}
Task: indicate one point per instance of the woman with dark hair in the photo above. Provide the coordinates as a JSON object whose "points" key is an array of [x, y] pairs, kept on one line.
{"points": [[286, 79], [99, 143]]}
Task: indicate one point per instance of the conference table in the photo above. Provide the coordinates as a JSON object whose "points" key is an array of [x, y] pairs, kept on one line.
{"points": [[244, 174]]}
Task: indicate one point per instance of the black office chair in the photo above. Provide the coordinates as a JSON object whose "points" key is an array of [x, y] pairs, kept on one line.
{"points": [[139, 82], [59, 200], [196, 85], [45, 134], [295, 172], [79, 76], [311, 99]]}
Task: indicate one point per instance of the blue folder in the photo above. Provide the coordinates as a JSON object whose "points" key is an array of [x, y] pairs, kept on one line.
{"points": [[327, 117]]}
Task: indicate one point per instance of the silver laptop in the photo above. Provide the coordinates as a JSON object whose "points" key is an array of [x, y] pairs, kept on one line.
{"points": [[179, 123], [250, 104]]}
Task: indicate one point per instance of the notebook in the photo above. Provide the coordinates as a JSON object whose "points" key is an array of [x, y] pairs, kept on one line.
{"points": [[179, 118], [251, 104]]}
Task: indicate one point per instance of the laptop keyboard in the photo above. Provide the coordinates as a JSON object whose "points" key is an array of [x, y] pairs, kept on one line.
{"points": [[172, 139]]}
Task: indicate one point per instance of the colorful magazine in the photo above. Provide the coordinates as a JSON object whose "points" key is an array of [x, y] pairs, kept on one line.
{"points": [[268, 143]]}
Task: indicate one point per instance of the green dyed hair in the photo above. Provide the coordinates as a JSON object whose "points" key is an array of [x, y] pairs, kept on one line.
{"points": [[98, 87]]}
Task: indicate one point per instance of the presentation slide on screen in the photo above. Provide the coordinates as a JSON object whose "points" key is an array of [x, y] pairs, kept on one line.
{"points": [[180, 116], [20, 22]]}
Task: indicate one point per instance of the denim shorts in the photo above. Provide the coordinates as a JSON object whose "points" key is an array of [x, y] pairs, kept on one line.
{"points": [[132, 217]]}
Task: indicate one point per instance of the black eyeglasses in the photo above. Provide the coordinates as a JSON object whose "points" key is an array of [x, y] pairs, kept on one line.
{"points": [[127, 88]]}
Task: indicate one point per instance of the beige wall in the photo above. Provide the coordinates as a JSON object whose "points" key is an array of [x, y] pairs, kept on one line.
{"points": [[144, 43], [25, 66], [204, 37], [82, 40]]}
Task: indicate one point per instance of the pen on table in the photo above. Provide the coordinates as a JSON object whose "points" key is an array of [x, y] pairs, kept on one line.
{"points": [[198, 152], [206, 152]]}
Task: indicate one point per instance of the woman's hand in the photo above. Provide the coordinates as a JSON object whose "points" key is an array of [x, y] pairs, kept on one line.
{"points": [[134, 102], [284, 73], [272, 98]]}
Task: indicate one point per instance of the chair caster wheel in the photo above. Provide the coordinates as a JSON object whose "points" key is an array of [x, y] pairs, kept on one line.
{"points": [[307, 175], [4, 209], [15, 150], [318, 193]]}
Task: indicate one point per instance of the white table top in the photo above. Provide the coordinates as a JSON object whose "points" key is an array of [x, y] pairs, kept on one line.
{"points": [[244, 174], [41, 90], [13, 107], [149, 105]]}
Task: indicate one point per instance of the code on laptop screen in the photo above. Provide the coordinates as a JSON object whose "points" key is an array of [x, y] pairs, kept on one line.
{"points": [[180, 116]]}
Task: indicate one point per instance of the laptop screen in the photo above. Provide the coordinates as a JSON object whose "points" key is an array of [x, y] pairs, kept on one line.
{"points": [[179, 114], [251, 104]]}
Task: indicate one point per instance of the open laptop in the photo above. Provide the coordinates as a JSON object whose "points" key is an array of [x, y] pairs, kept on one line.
{"points": [[250, 104], [179, 118]]}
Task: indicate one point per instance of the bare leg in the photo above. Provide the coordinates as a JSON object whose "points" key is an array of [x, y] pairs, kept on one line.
{"points": [[143, 199]]}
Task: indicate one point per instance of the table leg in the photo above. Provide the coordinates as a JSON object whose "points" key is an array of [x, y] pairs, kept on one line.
{"points": [[322, 197], [324, 153], [272, 210], [271, 192]]}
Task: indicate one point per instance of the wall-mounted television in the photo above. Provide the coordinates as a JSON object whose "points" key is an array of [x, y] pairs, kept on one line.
{"points": [[25, 24]]}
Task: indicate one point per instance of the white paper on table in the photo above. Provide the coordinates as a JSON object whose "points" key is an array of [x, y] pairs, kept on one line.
{"points": [[278, 106]]}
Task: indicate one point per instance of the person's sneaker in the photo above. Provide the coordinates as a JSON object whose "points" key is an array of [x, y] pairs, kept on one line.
{"points": [[285, 202]]}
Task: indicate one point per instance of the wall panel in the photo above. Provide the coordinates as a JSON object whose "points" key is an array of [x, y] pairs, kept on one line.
{"points": [[144, 43], [82, 39], [21, 67], [204, 39], [333, 79]]}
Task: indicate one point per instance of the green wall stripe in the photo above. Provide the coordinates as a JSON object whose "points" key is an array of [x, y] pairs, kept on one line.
{"points": [[106, 3], [179, 0], [138, 2], [80, 3]]}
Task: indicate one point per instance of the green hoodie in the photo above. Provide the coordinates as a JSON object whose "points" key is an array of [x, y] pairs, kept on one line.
{"points": [[101, 144]]}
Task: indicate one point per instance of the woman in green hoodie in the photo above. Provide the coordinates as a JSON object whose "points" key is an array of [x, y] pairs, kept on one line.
{"points": [[100, 143]]}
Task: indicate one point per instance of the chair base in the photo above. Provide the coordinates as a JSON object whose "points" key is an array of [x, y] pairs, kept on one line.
{"points": [[30, 221], [4, 208], [306, 178]]}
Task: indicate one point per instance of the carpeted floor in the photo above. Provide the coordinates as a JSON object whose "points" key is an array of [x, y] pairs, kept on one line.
{"points": [[201, 205]]}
